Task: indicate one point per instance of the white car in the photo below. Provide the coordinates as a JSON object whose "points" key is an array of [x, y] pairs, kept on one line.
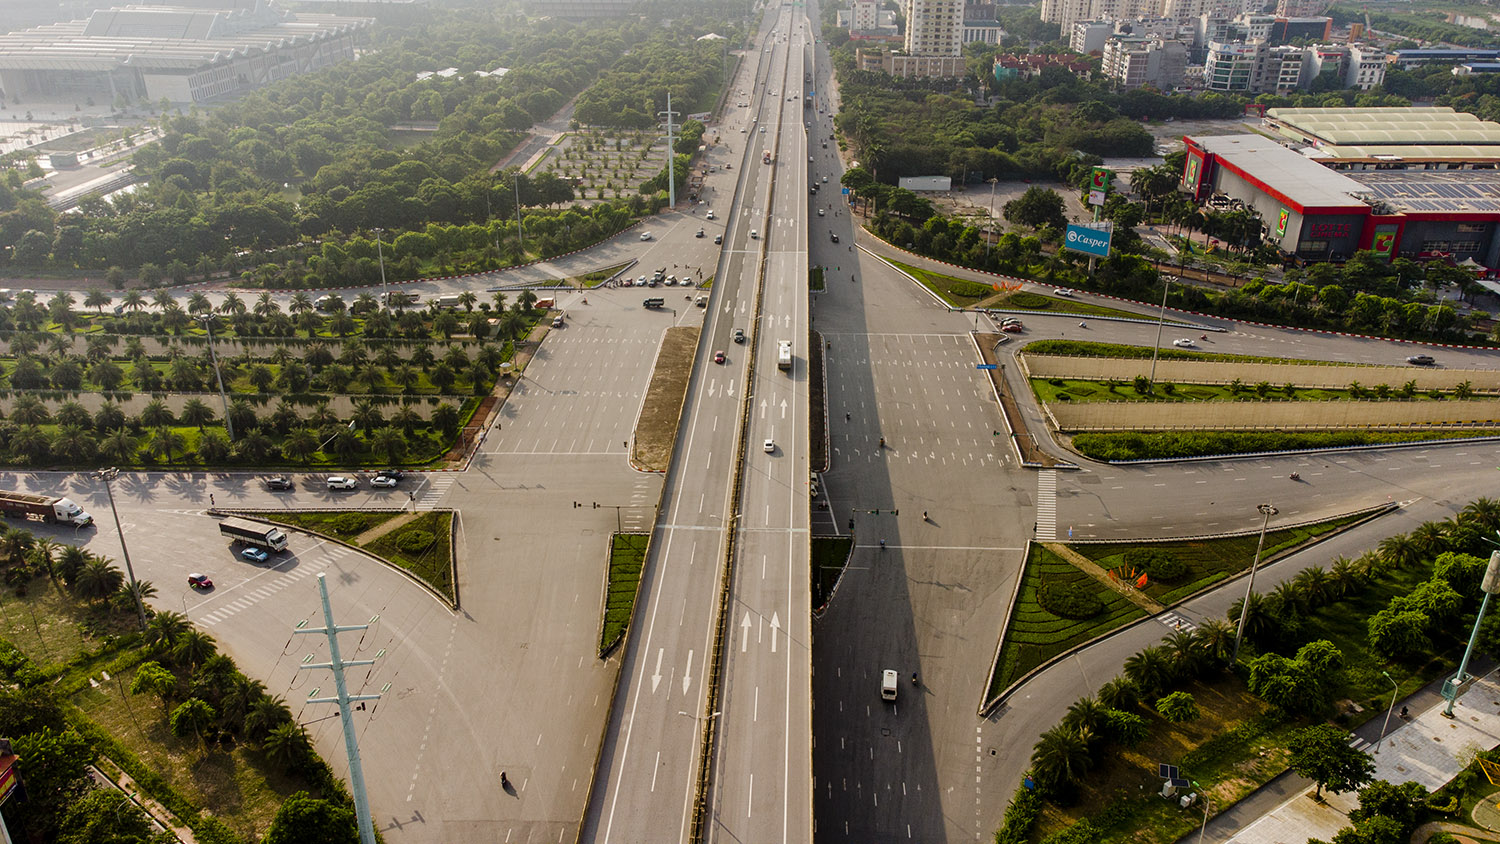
{"points": [[820, 212], [384, 482], [1184, 343], [754, 234], [338, 482], [645, 235], [1061, 291], [770, 446]]}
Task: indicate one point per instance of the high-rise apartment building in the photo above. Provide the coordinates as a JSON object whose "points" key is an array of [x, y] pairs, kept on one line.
{"points": [[1300, 8], [934, 27], [866, 16], [1136, 60]]}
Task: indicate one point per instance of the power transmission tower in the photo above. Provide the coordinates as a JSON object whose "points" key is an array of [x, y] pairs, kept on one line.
{"points": [[343, 699]]}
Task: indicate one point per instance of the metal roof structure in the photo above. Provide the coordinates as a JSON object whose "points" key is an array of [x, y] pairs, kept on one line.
{"points": [[1301, 180], [166, 37], [1416, 132]]}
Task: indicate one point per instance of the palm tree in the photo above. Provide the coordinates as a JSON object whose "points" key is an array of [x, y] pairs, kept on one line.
{"points": [[1314, 585], [1257, 620], [1485, 512], [499, 299], [1215, 641], [1344, 578], [232, 304], [301, 303], [287, 745], [1185, 653], [196, 413], [119, 447], [1399, 551], [15, 544], [198, 304], [467, 299], [266, 307], [42, 556], [1061, 757], [300, 445], [1118, 693], [133, 301], [1431, 539], [390, 443], [97, 298], [98, 580], [70, 562], [239, 699], [1085, 716], [166, 443], [1150, 670], [193, 647], [266, 713], [192, 717], [165, 628]]}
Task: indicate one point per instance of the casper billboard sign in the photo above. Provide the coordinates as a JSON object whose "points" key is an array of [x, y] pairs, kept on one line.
{"points": [[1087, 240]]}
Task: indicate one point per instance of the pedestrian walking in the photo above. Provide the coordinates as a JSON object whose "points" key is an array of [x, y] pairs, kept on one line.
{"points": [[211, 499]]}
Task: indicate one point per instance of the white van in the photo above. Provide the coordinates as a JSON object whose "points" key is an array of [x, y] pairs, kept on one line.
{"points": [[888, 684]]}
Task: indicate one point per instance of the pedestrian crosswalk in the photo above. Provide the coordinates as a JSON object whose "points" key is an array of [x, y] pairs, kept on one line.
{"points": [[269, 589], [1046, 505], [434, 490], [1176, 622]]}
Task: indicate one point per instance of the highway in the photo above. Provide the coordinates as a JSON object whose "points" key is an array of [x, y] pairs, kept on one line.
{"points": [[650, 766]]}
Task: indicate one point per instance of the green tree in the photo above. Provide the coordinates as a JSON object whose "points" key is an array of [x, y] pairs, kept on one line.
{"points": [[151, 678], [1061, 757], [192, 717], [193, 647], [287, 745], [1178, 707], [164, 627], [56, 774], [98, 580], [304, 819], [1322, 754], [104, 816], [1036, 208]]}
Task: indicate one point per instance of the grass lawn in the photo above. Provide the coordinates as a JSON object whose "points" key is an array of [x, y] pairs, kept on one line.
{"points": [[1035, 635], [626, 558], [598, 277], [240, 787], [65, 637], [1085, 348], [959, 293], [1134, 445], [829, 554], [1021, 300], [432, 563], [1235, 746], [815, 279], [344, 524], [1213, 560]]}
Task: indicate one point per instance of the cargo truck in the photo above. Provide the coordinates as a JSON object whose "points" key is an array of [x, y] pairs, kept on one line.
{"points": [[43, 508], [259, 534], [784, 354], [654, 302], [546, 303]]}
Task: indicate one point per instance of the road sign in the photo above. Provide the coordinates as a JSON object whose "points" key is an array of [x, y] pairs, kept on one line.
{"points": [[1089, 241], [844, 191], [1096, 197], [986, 366]]}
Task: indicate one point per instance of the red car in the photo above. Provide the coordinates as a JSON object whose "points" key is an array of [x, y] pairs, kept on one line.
{"points": [[200, 581], [1012, 327], [718, 357]]}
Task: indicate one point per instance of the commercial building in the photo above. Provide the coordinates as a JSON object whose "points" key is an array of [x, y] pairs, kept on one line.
{"points": [[910, 67], [1300, 8], [934, 27], [1137, 60], [1408, 59], [1259, 67], [189, 51], [1315, 213]]}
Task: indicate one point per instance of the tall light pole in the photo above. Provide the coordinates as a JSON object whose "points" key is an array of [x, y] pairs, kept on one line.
{"points": [[993, 182], [671, 156], [1490, 585], [1239, 632], [1160, 319], [208, 325], [108, 476], [1206, 802], [385, 290], [1395, 690], [515, 183]]}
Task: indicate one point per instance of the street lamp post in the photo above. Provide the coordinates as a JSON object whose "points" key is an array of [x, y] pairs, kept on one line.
{"points": [[1239, 632], [1160, 319], [1206, 803], [1489, 585], [108, 476], [1395, 690], [385, 290], [208, 325]]}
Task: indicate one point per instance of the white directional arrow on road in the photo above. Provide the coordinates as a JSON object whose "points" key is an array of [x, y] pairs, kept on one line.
{"points": [[687, 674], [783, 408], [745, 632], [762, 408], [656, 678], [775, 629]]}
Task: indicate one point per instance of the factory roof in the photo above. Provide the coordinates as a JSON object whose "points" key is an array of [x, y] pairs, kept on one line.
{"points": [[165, 37], [1418, 132]]}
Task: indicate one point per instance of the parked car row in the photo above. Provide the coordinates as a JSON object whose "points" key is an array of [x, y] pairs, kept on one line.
{"points": [[384, 479]]}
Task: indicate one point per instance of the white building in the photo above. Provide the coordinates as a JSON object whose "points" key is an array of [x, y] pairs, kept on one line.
{"points": [[1366, 68], [866, 17], [1090, 36], [982, 24], [934, 27]]}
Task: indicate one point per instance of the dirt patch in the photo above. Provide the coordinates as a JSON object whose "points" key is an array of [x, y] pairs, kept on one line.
{"points": [[656, 429]]}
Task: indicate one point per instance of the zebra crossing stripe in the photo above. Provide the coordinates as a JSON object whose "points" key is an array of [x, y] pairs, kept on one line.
{"points": [[1046, 505]]}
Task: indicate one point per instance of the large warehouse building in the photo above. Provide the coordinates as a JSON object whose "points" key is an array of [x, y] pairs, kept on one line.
{"points": [[186, 51], [1419, 137], [1316, 214]]}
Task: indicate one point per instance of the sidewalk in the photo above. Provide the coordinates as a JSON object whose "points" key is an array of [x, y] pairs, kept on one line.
{"points": [[1427, 749]]}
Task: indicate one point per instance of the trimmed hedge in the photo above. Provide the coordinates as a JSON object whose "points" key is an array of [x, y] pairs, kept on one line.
{"points": [[1069, 599], [1158, 564], [415, 541], [1020, 817], [1129, 445]]}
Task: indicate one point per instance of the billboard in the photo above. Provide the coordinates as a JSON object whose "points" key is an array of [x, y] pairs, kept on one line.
{"points": [[1192, 171], [1384, 242], [1088, 240], [1100, 179], [1281, 220]]}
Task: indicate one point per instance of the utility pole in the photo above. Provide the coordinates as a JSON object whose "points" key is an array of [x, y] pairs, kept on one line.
{"points": [[108, 476], [351, 742], [1160, 318], [515, 182], [208, 325], [1490, 585], [671, 156]]}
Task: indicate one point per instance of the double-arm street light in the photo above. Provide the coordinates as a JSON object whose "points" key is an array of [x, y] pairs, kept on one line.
{"points": [[385, 290], [208, 325], [1239, 632], [108, 476]]}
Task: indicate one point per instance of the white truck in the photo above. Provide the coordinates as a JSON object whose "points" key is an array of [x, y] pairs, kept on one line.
{"points": [[43, 508], [259, 534], [784, 355]]}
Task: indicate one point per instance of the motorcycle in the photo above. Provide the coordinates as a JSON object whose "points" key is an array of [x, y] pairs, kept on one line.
{"points": [[1296, 477]]}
